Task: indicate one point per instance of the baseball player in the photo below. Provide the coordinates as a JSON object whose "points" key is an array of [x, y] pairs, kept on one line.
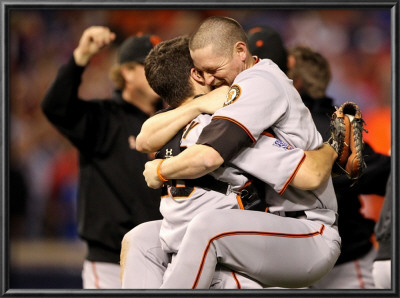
{"points": [[256, 243], [181, 203]]}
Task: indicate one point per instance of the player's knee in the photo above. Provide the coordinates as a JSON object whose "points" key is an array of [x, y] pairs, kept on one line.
{"points": [[139, 240], [123, 254], [125, 240], [130, 237], [133, 235], [143, 235]]}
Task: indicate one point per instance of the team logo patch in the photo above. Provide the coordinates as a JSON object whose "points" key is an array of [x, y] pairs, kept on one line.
{"points": [[283, 145], [233, 95]]}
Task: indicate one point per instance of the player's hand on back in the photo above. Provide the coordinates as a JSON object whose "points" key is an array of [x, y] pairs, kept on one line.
{"points": [[92, 41]]}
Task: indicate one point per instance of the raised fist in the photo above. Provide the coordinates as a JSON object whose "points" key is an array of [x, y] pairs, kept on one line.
{"points": [[92, 41]]}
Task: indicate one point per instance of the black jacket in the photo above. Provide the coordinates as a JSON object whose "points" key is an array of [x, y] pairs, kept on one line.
{"points": [[112, 196], [354, 229]]}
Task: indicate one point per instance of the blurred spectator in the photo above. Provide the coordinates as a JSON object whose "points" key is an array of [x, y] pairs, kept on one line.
{"points": [[61, 213], [18, 198]]}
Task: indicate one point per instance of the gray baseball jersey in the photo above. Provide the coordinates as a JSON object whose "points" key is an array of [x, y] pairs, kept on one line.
{"points": [[261, 98], [294, 249], [178, 207]]}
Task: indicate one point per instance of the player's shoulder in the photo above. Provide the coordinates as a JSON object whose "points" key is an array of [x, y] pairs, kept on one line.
{"points": [[263, 73], [266, 67], [263, 69]]}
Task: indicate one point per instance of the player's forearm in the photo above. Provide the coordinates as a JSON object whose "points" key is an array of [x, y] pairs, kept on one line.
{"points": [[81, 58], [159, 129], [194, 162], [316, 168]]}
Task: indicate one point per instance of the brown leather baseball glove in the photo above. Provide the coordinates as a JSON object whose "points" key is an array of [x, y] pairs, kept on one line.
{"points": [[347, 128]]}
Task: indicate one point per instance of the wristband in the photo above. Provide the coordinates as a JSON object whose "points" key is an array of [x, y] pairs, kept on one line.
{"points": [[159, 173]]}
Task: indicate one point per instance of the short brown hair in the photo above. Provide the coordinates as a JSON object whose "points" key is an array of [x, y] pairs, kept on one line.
{"points": [[167, 69], [313, 69], [221, 32]]}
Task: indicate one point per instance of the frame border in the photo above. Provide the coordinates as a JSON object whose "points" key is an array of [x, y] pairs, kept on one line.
{"points": [[7, 5]]}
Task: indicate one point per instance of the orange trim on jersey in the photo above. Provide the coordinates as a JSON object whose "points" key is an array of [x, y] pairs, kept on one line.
{"points": [[234, 233], [96, 277], [192, 125], [238, 124], [293, 174], [245, 185], [268, 134], [239, 200], [239, 197], [236, 280]]}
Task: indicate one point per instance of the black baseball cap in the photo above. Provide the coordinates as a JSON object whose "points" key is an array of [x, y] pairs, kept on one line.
{"points": [[136, 48], [265, 42]]}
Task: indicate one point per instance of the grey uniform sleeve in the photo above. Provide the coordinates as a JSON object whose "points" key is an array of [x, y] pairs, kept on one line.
{"points": [[272, 161]]}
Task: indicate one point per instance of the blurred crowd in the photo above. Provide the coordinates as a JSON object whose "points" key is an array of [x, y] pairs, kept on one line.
{"points": [[43, 165]]}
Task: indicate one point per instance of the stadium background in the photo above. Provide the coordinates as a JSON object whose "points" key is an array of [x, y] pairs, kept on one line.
{"points": [[44, 250]]}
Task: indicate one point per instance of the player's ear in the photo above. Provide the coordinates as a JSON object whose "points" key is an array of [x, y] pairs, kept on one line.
{"points": [[127, 70], [241, 50], [197, 76], [124, 70]]}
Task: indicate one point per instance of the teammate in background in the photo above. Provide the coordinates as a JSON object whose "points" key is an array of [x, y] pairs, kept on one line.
{"points": [[311, 75], [353, 270], [266, 43], [112, 196], [382, 267], [263, 242], [170, 72]]}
